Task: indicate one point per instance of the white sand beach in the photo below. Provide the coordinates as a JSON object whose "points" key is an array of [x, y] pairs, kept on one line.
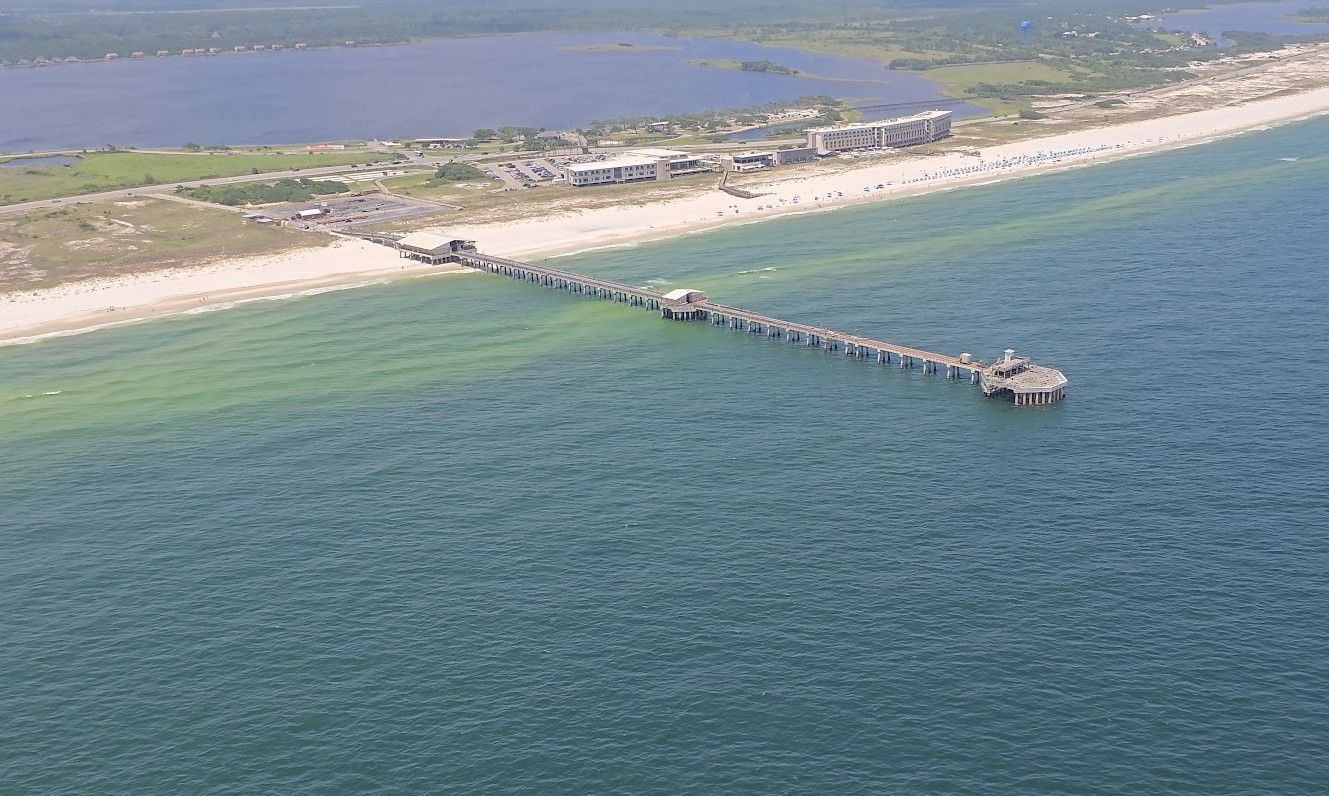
{"points": [[86, 305], [98, 303], [895, 178]]}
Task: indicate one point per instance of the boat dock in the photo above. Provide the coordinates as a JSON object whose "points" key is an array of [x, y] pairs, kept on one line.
{"points": [[1013, 377]]}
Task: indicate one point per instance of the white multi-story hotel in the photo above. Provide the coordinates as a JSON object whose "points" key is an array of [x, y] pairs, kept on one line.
{"points": [[635, 166], [906, 131], [614, 170]]}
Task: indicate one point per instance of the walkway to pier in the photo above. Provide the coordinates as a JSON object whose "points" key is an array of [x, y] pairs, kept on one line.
{"points": [[1045, 385]]}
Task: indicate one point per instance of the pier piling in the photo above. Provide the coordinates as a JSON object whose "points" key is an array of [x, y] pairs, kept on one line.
{"points": [[1024, 382]]}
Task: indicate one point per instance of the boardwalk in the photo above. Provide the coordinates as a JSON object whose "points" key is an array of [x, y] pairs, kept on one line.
{"points": [[1015, 377]]}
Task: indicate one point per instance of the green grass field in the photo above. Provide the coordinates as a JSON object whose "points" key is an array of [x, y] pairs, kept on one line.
{"points": [[104, 171], [849, 44], [961, 79]]}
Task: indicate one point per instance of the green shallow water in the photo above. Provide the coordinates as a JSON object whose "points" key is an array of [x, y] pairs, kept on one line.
{"points": [[466, 534]]}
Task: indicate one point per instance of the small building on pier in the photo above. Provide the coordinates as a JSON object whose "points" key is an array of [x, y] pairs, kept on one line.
{"points": [[1027, 384], [432, 248], [683, 304], [1015, 376]]}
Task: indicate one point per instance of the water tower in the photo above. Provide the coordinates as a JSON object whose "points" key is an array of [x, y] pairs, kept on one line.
{"points": [[1025, 25]]}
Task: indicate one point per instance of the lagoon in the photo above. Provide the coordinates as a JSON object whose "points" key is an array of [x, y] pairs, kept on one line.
{"points": [[1266, 17], [445, 87]]}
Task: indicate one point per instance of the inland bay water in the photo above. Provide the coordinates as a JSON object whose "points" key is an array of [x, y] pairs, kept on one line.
{"points": [[1276, 17], [443, 87], [468, 534]]}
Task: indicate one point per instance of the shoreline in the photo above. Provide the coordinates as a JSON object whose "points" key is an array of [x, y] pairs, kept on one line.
{"points": [[95, 304], [905, 177], [79, 307]]}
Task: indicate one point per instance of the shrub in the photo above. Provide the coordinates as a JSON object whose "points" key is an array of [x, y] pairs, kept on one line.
{"points": [[454, 172]]}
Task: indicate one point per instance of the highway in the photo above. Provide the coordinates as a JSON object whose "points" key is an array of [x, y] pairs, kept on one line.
{"points": [[488, 159], [148, 190], [482, 160]]}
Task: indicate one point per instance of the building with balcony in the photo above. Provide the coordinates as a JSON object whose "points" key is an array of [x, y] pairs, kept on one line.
{"points": [[921, 128]]}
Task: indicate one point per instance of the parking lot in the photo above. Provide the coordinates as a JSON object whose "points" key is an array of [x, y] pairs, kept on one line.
{"points": [[366, 176], [519, 174], [353, 210]]}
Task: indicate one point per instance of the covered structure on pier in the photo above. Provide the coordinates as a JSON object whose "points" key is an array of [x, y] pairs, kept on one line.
{"points": [[1027, 384], [683, 304], [432, 248]]}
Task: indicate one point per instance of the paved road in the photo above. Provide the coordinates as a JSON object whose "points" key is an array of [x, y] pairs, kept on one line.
{"points": [[323, 171], [437, 160], [316, 171], [148, 190]]}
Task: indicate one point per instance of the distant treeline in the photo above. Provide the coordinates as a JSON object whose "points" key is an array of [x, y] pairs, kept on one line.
{"points": [[91, 28], [752, 114], [1091, 38], [766, 66], [264, 193], [527, 138], [920, 33], [1092, 44]]}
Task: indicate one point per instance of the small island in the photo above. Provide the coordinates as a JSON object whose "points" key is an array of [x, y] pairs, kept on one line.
{"points": [[620, 47], [744, 66]]}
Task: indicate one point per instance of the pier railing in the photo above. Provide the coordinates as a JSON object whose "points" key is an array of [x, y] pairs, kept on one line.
{"points": [[1035, 385]]}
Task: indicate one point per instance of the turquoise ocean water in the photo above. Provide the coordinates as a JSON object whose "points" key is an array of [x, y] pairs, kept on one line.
{"points": [[469, 535]]}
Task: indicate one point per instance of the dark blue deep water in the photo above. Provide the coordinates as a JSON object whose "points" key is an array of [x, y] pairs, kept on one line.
{"points": [[470, 535]]}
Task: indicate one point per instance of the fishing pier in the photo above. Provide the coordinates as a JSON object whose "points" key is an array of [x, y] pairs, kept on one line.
{"points": [[1013, 377]]}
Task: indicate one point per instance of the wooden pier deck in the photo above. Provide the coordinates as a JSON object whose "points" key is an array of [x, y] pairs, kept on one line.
{"points": [[1024, 382]]}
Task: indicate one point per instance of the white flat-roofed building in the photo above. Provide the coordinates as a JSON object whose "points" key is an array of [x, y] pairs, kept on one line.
{"points": [[658, 154], [752, 161], [441, 143], [614, 170], [920, 128], [684, 295], [683, 304], [637, 165], [677, 162]]}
